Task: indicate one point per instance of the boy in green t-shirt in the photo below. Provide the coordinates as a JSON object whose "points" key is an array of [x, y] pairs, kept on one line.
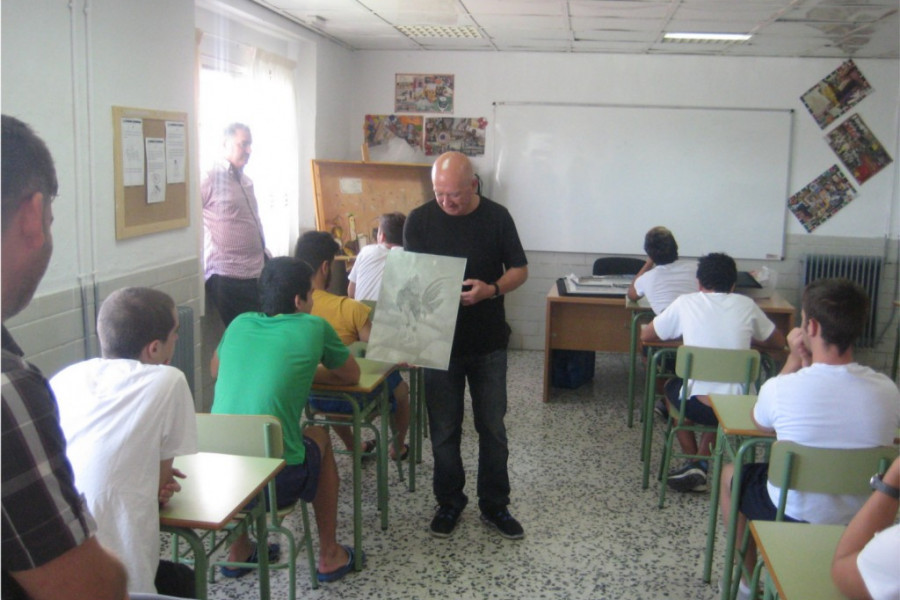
{"points": [[265, 365]]}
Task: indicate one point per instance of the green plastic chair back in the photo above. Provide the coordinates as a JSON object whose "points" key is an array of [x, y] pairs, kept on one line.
{"points": [[826, 470], [718, 365]]}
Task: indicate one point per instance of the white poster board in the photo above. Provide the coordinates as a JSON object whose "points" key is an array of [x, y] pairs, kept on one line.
{"points": [[415, 317]]}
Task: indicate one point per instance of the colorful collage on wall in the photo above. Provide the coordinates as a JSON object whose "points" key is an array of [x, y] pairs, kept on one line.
{"points": [[423, 93], [837, 93], [822, 198], [445, 134], [380, 129], [853, 142], [858, 148]]}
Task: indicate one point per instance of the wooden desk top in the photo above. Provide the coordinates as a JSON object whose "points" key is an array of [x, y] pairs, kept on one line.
{"points": [[371, 374], [774, 304], [734, 413], [798, 557], [216, 488]]}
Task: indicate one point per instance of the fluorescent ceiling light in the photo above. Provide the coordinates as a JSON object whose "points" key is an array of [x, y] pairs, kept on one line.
{"points": [[707, 37]]}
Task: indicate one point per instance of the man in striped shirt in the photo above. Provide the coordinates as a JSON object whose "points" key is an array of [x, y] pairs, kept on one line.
{"points": [[233, 242]]}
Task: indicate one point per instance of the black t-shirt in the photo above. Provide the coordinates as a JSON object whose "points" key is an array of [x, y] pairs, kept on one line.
{"points": [[488, 239]]}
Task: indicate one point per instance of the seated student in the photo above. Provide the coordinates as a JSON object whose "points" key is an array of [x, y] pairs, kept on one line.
{"points": [[865, 560], [365, 276], [663, 277], [350, 320], [714, 317], [126, 416], [265, 365], [821, 398]]}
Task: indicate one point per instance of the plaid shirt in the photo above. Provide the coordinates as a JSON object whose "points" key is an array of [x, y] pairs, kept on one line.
{"points": [[233, 241], [43, 514]]}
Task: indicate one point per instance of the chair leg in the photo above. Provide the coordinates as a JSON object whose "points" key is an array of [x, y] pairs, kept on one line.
{"points": [[307, 541]]}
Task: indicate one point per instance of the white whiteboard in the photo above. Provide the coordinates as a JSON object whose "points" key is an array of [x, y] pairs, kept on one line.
{"points": [[595, 178]]}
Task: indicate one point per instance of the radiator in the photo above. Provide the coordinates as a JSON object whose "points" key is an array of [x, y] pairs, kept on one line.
{"points": [[864, 270], [183, 357]]}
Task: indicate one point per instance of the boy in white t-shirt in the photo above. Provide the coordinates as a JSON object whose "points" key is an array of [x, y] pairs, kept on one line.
{"points": [[821, 398], [714, 317], [663, 277], [365, 276], [126, 417]]}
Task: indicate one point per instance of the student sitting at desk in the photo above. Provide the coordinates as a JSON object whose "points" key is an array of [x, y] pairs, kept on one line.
{"points": [[821, 398], [663, 277], [714, 317], [265, 365], [350, 320], [126, 417], [365, 276], [865, 560]]}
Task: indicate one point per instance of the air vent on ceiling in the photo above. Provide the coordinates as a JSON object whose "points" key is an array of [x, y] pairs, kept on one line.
{"points": [[439, 31]]}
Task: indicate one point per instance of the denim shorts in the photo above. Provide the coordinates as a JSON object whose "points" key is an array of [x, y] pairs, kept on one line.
{"points": [[330, 404]]}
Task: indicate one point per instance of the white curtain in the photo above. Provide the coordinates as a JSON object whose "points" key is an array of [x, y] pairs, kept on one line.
{"points": [[256, 88]]}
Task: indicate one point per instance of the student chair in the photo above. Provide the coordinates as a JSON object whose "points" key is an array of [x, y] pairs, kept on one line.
{"points": [[258, 435], [617, 265], [704, 364], [801, 468]]}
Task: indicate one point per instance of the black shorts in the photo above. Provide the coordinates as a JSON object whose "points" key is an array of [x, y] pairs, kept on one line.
{"points": [[694, 410], [755, 502]]}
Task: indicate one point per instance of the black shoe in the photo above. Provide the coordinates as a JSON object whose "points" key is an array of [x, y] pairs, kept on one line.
{"points": [[444, 522], [689, 478], [504, 523]]}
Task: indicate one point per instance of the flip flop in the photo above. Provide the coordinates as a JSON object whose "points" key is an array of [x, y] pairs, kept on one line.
{"points": [[369, 447], [339, 573], [235, 572]]}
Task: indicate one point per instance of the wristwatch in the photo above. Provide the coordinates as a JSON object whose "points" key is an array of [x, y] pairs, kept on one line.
{"points": [[878, 484], [496, 290]]}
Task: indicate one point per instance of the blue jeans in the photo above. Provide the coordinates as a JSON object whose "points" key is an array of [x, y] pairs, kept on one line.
{"points": [[445, 395]]}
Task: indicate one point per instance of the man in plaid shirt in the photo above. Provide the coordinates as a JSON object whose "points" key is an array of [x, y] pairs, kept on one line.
{"points": [[49, 550]]}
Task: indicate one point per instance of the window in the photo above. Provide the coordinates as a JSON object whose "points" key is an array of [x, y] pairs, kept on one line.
{"points": [[254, 87]]}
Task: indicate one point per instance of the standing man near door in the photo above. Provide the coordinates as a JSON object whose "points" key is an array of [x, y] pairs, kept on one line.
{"points": [[234, 247]]}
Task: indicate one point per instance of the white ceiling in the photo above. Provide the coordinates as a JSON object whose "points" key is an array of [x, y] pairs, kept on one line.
{"points": [[807, 28]]}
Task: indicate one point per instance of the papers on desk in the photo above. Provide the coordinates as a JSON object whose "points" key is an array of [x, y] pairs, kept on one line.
{"points": [[614, 286]]}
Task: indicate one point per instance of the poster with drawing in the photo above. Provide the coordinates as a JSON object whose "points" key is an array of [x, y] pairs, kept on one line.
{"points": [[415, 317], [380, 129]]}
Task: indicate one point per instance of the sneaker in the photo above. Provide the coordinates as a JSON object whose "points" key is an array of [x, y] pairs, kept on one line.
{"points": [[444, 522], [661, 410], [689, 478], [504, 523]]}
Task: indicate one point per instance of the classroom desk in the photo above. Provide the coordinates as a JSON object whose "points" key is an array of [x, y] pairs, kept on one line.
{"points": [[734, 413], [372, 374], [798, 558], [216, 488], [604, 324]]}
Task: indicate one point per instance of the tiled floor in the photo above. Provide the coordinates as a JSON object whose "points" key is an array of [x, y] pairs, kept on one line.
{"points": [[590, 530]]}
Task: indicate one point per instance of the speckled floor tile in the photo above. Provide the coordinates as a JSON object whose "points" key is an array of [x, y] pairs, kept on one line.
{"points": [[591, 532]]}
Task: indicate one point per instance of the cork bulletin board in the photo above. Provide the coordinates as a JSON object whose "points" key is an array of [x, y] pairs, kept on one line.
{"points": [[151, 179], [350, 196]]}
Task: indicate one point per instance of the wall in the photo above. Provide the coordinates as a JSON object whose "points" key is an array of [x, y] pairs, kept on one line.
{"points": [[92, 55], [869, 225]]}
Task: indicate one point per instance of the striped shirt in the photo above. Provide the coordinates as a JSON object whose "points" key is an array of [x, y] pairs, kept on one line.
{"points": [[233, 240], [44, 516]]}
